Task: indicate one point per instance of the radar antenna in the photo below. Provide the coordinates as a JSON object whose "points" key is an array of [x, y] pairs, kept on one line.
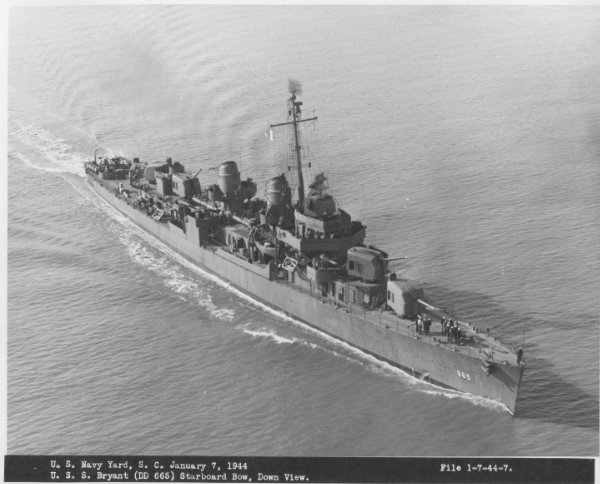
{"points": [[295, 112], [294, 87], [319, 185]]}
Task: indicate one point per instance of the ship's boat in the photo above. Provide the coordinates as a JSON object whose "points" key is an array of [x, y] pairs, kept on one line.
{"points": [[308, 258]]}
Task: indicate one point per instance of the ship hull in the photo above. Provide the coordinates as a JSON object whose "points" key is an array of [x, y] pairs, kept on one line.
{"points": [[374, 335]]}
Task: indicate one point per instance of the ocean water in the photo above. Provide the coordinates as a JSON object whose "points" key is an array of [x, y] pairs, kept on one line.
{"points": [[466, 138]]}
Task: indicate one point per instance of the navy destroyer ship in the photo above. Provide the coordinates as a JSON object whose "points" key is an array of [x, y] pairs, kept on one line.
{"points": [[307, 257]]}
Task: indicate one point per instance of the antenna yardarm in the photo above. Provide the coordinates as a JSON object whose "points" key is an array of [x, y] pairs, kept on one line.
{"points": [[295, 112]]}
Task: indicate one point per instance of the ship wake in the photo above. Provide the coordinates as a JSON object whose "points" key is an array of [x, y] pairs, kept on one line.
{"points": [[139, 245], [474, 399], [62, 156], [270, 334], [185, 287], [372, 363]]}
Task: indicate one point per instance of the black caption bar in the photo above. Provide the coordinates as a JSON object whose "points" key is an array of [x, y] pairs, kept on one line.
{"points": [[94, 468]]}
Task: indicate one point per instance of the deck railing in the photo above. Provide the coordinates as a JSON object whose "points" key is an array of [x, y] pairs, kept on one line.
{"points": [[399, 326]]}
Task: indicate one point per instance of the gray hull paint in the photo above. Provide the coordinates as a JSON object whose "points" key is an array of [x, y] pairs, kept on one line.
{"points": [[433, 362]]}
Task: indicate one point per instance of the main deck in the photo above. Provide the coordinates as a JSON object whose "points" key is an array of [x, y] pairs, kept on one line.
{"points": [[473, 341], [478, 364]]}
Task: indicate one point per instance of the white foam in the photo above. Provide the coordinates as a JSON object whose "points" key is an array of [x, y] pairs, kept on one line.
{"points": [[129, 234], [172, 277], [270, 335], [474, 399], [65, 175], [60, 154], [21, 157]]}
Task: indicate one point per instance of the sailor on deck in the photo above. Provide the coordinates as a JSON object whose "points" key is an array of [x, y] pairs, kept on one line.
{"points": [[427, 324], [449, 326]]}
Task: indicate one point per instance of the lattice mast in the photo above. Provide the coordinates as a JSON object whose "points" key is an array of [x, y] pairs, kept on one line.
{"points": [[295, 113]]}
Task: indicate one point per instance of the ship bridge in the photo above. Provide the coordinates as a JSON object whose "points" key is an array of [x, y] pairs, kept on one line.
{"points": [[313, 243]]}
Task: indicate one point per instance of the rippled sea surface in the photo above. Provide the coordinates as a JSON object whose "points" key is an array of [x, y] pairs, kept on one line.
{"points": [[465, 138]]}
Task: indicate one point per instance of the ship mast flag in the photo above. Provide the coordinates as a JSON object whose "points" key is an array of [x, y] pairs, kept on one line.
{"points": [[295, 111]]}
